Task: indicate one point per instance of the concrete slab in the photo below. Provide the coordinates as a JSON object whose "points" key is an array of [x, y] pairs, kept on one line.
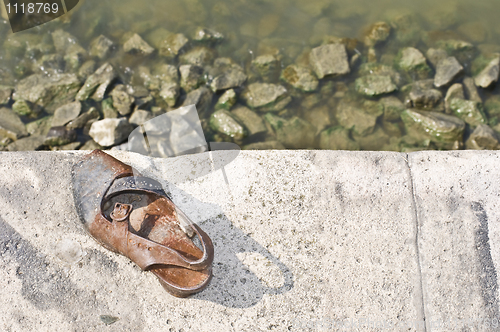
{"points": [[304, 240]]}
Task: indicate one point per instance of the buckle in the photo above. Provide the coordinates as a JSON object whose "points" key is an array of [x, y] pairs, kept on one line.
{"points": [[121, 211]]}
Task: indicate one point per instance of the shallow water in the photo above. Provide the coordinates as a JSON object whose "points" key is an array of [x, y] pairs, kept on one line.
{"points": [[255, 27]]}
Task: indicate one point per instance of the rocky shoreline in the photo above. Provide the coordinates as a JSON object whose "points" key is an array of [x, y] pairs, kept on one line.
{"points": [[398, 88]]}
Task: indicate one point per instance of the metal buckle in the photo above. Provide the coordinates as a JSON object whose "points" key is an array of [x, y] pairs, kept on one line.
{"points": [[121, 212]]}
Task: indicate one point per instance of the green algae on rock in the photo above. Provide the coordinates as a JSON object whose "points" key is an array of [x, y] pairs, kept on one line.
{"points": [[470, 111]]}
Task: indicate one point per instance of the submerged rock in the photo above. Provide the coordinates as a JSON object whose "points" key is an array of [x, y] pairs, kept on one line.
{"points": [[66, 113], [330, 59], [169, 92], [201, 97], [260, 95], [226, 100], [413, 62], [31, 143], [39, 127], [489, 74], [300, 78], [361, 119], [470, 90], [470, 111], [5, 93], [381, 70], [296, 134], [377, 33], [25, 108], [101, 47], [483, 138], [83, 119], [60, 136], [122, 101], [191, 77], [207, 35], [434, 55], [374, 85], [455, 91], [109, 132], [136, 44], [422, 95], [444, 130], [269, 145], [225, 123], [172, 45], [50, 92], [446, 71], [228, 75], [337, 138], [251, 120], [266, 65], [199, 56], [97, 83], [393, 107], [11, 125]]}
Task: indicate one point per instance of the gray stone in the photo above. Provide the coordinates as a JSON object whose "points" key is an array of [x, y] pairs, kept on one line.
{"points": [[167, 73], [5, 93], [31, 143], [139, 117], [135, 44], [319, 116], [97, 83], [207, 35], [48, 91], [225, 123], [198, 56], [361, 119], [470, 89], [434, 55], [83, 119], [191, 77], [109, 132], [421, 95], [101, 47], [49, 63], [300, 78], [170, 92], [470, 111], [393, 107], [172, 45], [226, 100], [230, 75], [264, 94], [266, 65], [67, 147], [381, 70], [329, 59], [74, 57], [489, 74], [201, 98], [337, 138], [483, 138], [61, 135], [11, 125], [455, 91], [39, 127], [377, 33], [374, 85], [444, 130], [25, 108], [446, 71], [251, 120], [86, 69], [63, 40], [296, 133], [122, 101], [412, 61], [66, 113], [269, 145], [91, 145], [108, 110]]}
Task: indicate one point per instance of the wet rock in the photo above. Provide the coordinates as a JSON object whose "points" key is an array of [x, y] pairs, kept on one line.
{"points": [[266, 65], [108, 110], [444, 130], [31, 143], [167, 73], [360, 118], [446, 71], [421, 95], [5, 93], [49, 63], [319, 117], [270, 145], [207, 35], [337, 138], [330, 59], [86, 69], [455, 91], [136, 44], [122, 101], [172, 45], [381, 70], [226, 100], [109, 132], [58, 136], [374, 85], [393, 107], [66, 113], [483, 138], [470, 111], [377, 33], [83, 119], [199, 56], [296, 134], [139, 117], [413, 62], [191, 77], [227, 75], [101, 47], [300, 78], [11, 125], [67, 147], [25, 108], [489, 74], [372, 141], [470, 90], [63, 40], [474, 31], [201, 97], [460, 49], [250, 120], [97, 83], [50, 92], [259, 95], [74, 57], [434, 55], [492, 106], [225, 123], [91, 145], [39, 127], [407, 29], [170, 92]]}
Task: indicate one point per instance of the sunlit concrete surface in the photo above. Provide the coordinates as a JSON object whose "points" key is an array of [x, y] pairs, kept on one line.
{"points": [[304, 241]]}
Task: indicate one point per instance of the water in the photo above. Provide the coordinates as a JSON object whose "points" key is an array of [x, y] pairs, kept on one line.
{"points": [[255, 27]]}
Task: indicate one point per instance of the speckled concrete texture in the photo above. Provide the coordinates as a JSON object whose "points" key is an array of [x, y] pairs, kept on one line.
{"points": [[304, 241]]}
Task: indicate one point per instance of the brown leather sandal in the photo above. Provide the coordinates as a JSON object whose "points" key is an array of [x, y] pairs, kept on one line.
{"points": [[133, 216]]}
